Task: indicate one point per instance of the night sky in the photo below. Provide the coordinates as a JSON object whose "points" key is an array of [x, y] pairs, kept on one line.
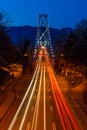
{"points": [[61, 13]]}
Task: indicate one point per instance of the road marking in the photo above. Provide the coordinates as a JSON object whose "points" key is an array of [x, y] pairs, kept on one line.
{"points": [[28, 126], [28, 104], [35, 97], [19, 108], [50, 97], [49, 89], [32, 108], [53, 125], [36, 110], [51, 108], [44, 99], [36, 89]]}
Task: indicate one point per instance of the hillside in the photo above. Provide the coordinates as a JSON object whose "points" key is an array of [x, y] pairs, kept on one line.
{"points": [[19, 33]]}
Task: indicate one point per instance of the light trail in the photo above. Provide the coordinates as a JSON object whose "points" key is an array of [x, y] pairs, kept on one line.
{"points": [[66, 114], [38, 101], [59, 111], [40, 57], [35, 117], [67, 117], [16, 115], [26, 94], [53, 126], [66, 107], [66, 123], [25, 113], [44, 100], [28, 126]]}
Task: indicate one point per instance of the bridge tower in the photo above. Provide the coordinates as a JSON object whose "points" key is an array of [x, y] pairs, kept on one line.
{"points": [[43, 33]]}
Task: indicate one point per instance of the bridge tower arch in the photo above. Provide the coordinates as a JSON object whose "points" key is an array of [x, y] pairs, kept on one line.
{"points": [[43, 33]]}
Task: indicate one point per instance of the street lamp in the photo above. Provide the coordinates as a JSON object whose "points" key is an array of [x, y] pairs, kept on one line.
{"points": [[70, 71]]}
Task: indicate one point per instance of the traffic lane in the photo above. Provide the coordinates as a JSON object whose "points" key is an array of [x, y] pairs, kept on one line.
{"points": [[40, 120], [22, 111], [32, 113], [22, 102], [7, 120], [19, 85], [37, 105], [67, 117], [36, 117], [53, 119], [29, 113], [38, 110]]}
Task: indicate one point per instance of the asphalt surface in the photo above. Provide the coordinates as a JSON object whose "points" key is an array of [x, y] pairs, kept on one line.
{"points": [[44, 106], [35, 114]]}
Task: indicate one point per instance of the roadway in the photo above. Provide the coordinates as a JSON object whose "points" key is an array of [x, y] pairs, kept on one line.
{"points": [[44, 106]]}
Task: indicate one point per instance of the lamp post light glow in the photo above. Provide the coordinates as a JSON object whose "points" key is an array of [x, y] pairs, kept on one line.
{"points": [[25, 54]]}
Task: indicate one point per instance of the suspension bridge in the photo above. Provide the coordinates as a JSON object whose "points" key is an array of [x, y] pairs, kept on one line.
{"points": [[44, 106]]}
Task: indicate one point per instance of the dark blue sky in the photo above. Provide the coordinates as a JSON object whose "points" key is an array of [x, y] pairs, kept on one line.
{"points": [[61, 13]]}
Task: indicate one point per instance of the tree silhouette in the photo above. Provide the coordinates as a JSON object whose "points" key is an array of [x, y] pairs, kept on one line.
{"points": [[26, 44], [7, 49], [81, 30]]}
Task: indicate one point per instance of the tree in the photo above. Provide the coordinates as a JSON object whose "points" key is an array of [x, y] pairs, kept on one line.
{"points": [[82, 25], [81, 31], [26, 44], [76, 44], [27, 56], [7, 50], [4, 19], [70, 46]]}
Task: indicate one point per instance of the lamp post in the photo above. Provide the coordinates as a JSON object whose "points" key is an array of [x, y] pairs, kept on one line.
{"points": [[62, 67], [71, 74], [70, 71]]}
